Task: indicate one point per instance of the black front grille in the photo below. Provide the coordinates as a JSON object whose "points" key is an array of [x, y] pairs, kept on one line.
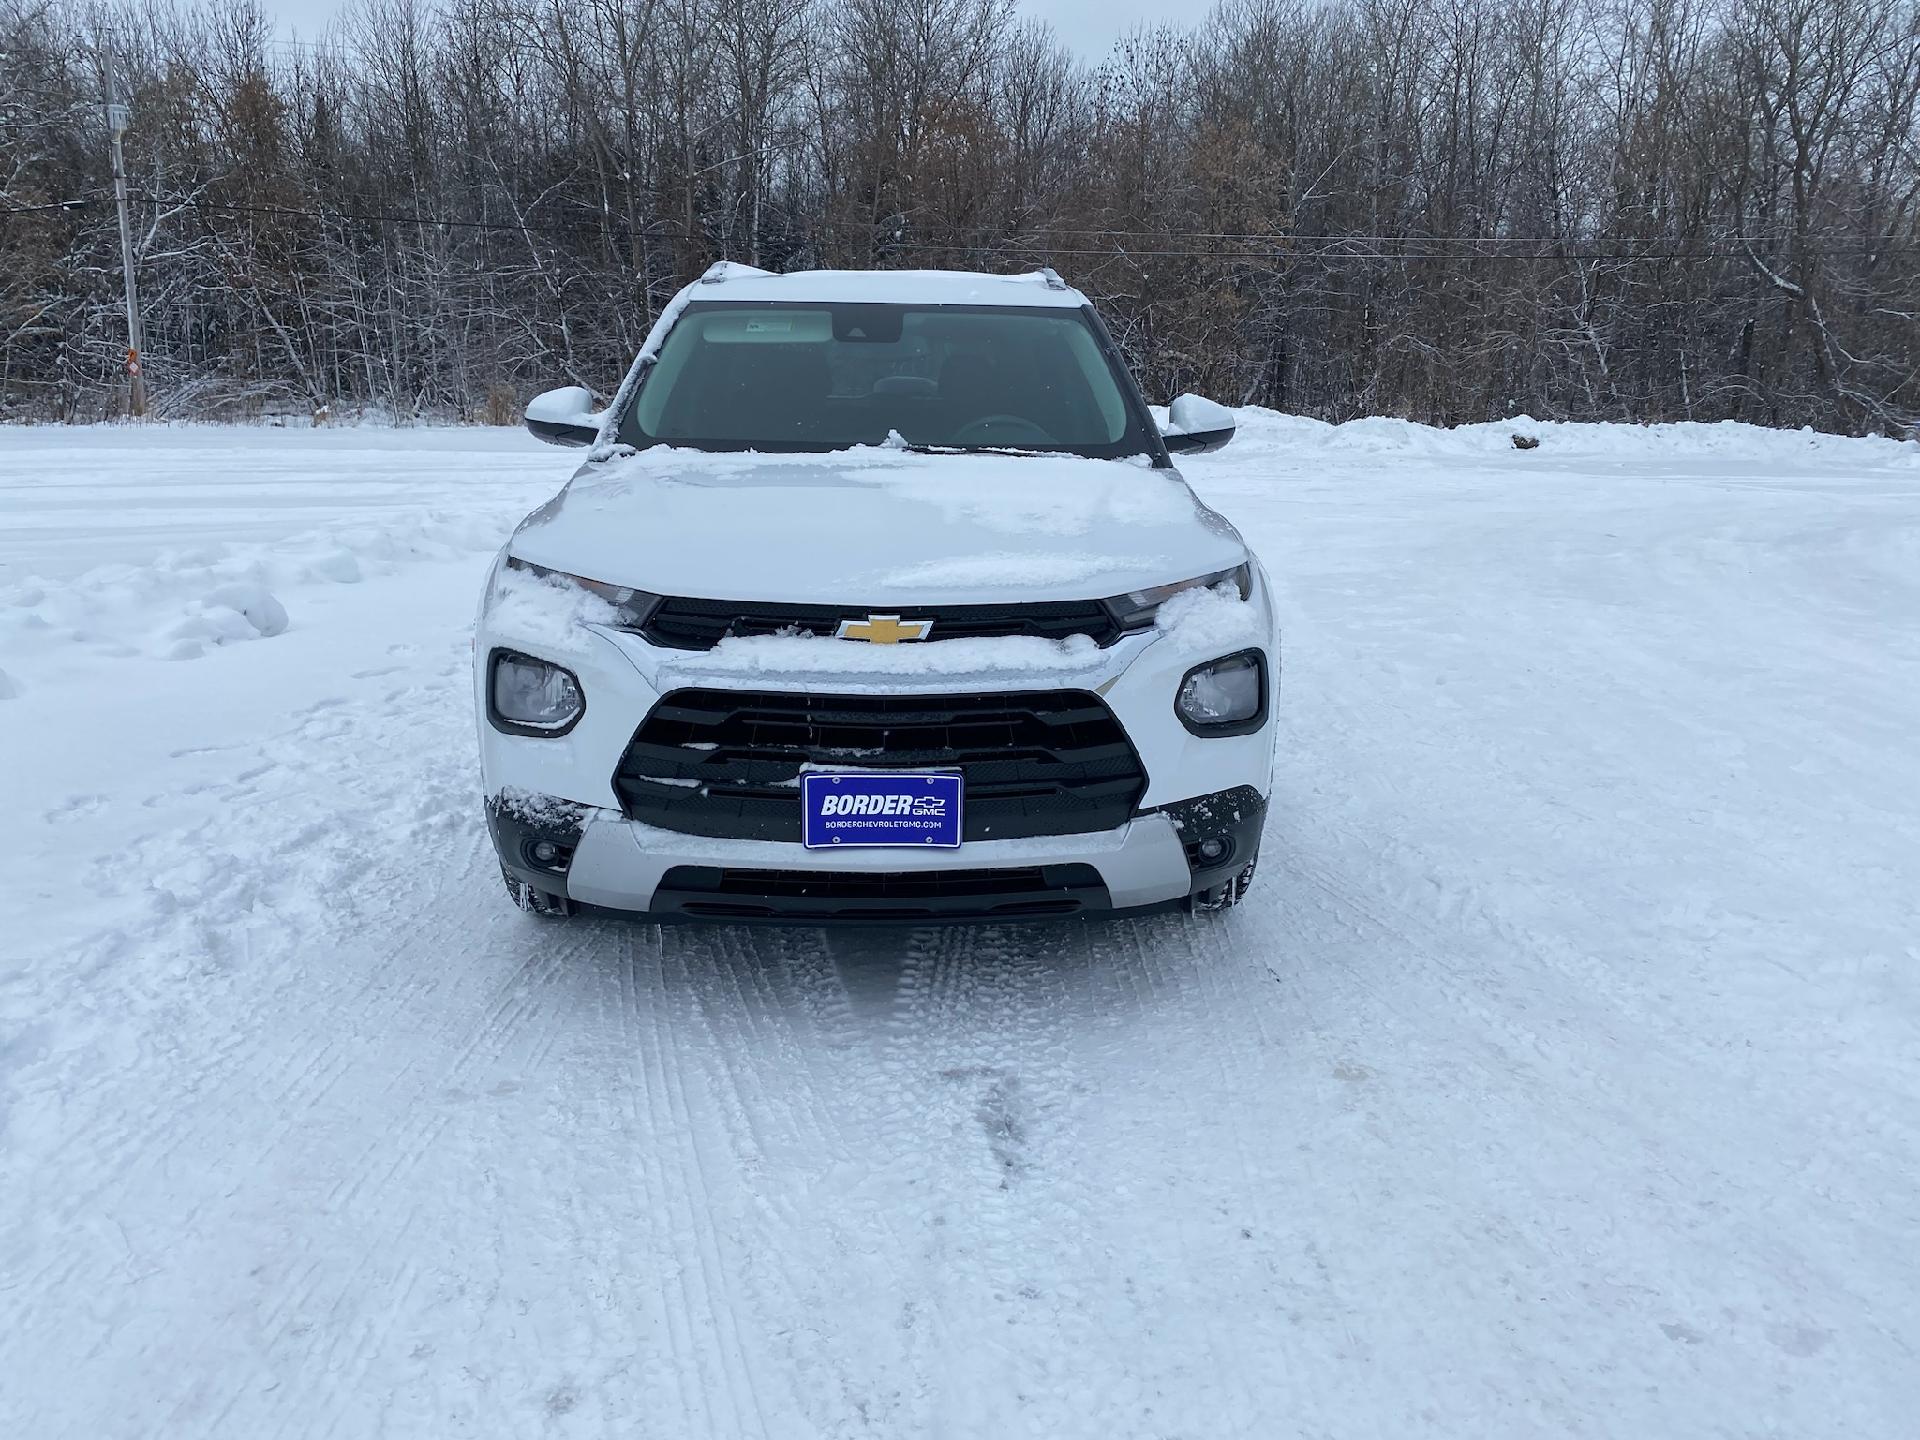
{"points": [[727, 763], [1023, 892], [682, 623]]}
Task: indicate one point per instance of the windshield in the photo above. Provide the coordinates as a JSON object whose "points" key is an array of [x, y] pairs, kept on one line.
{"points": [[748, 376]]}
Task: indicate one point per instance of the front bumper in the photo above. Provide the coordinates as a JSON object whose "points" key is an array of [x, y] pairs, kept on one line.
{"points": [[598, 859], [563, 789]]}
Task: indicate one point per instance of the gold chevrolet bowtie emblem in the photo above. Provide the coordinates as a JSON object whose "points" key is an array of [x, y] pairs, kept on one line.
{"points": [[884, 629]]}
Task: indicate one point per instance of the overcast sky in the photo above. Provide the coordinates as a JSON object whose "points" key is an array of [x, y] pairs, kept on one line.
{"points": [[1089, 26]]}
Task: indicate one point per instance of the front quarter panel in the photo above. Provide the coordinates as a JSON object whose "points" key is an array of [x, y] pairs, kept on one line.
{"points": [[557, 623], [1180, 764]]}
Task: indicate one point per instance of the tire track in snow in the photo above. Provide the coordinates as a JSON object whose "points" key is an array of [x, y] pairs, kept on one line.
{"points": [[770, 1028], [1419, 996], [981, 1050], [1204, 990], [322, 1019], [712, 1347], [747, 1023], [823, 1052], [639, 1031], [362, 1199], [150, 1131], [452, 1122], [324, 870]]}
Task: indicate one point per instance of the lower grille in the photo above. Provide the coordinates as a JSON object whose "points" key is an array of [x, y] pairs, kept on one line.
{"points": [[1015, 893], [683, 623], [727, 763]]}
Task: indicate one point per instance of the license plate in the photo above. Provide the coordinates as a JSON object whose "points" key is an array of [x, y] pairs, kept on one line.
{"points": [[893, 809]]}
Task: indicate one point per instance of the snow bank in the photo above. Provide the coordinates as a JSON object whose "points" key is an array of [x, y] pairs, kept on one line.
{"points": [[184, 602], [1262, 430], [231, 613]]}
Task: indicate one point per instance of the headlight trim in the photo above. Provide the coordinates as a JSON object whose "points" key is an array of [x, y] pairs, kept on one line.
{"points": [[501, 655], [1138, 609], [1209, 730], [635, 606]]}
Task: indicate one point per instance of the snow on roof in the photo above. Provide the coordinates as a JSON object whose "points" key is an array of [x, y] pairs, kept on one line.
{"points": [[731, 281]]}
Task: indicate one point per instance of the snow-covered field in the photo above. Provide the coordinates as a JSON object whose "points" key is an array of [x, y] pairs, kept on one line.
{"points": [[1561, 1077]]}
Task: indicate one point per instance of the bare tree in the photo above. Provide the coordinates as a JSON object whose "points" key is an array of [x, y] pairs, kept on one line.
{"points": [[1446, 209]]}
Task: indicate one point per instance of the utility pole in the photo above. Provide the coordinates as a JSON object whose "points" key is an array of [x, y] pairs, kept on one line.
{"points": [[117, 117]]}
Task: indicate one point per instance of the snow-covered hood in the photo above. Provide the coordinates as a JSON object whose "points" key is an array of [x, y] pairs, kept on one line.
{"points": [[877, 526]]}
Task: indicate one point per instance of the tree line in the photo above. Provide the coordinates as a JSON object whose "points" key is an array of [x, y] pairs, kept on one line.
{"points": [[1449, 210]]}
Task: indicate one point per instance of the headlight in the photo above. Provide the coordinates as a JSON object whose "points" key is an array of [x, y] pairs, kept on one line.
{"points": [[1136, 610], [636, 607], [1227, 696], [526, 696]]}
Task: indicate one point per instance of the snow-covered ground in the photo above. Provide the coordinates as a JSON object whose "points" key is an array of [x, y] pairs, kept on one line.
{"points": [[1560, 1078]]}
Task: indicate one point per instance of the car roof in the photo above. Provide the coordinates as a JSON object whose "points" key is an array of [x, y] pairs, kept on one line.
{"points": [[730, 281]]}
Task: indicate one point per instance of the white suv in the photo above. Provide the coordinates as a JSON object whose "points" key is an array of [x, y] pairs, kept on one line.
{"points": [[878, 598]]}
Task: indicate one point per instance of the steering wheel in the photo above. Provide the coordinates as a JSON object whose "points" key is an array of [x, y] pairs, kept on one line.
{"points": [[1034, 434]]}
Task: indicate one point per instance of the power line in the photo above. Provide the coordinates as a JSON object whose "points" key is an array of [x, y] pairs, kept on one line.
{"points": [[79, 203], [1384, 248], [441, 221], [1271, 237], [331, 46], [1472, 246]]}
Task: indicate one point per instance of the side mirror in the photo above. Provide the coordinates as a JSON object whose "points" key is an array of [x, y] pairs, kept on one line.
{"points": [[1195, 425], [564, 416]]}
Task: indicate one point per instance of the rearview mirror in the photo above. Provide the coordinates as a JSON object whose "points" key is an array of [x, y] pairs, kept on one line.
{"points": [[1196, 425], [564, 416]]}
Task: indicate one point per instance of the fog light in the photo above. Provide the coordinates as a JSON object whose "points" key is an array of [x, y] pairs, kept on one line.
{"points": [[545, 852], [1212, 849]]}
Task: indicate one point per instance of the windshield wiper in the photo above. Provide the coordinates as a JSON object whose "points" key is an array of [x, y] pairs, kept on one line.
{"points": [[917, 449]]}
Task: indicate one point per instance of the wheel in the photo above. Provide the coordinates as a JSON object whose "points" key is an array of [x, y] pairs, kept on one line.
{"points": [[534, 901], [1224, 896]]}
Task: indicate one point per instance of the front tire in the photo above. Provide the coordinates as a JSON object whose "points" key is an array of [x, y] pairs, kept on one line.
{"points": [[1224, 896], [535, 901]]}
